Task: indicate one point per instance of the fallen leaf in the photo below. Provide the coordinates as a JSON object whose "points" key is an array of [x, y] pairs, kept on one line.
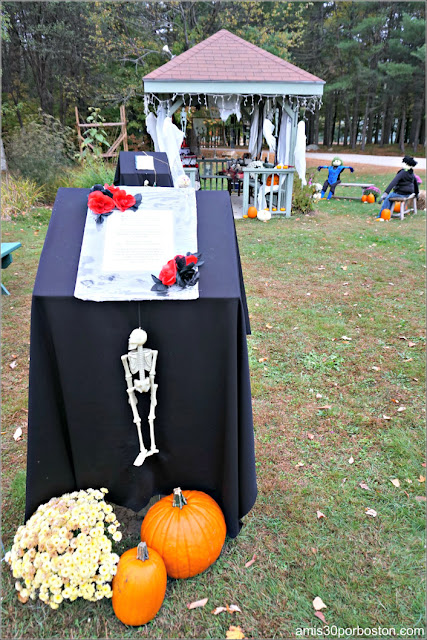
{"points": [[219, 610], [22, 599], [310, 436], [346, 293], [18, 434], [250, 562], [344, 268], [421, 479], [13, 364], [406, 493], [320, 615], [299, 464], [403, 338], [408, 481], [423, 464], [412, 344], [318, 603], [233, 608], [402, 409], [420, 498], [325, 406], [234, 633], [351, 460], [408, 360], [395, 401], [415, 379], [320, 515], [319, 395], [313, 550], [346, 338], [395, 482], [386, 417], [269, 326], [362, 485], [262, 359], [197, 603], [371, 512]]}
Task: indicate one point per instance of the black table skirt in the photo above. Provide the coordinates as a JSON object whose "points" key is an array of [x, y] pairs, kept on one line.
{"points": [[128, 174], [81, 432]]}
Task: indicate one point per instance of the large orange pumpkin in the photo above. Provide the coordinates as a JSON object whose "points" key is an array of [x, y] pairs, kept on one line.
{"points": [[364, 198], [396, 207], [371, 198], [139, 585], [252, 212], [386, 214], [188, 530], [276, 180]]}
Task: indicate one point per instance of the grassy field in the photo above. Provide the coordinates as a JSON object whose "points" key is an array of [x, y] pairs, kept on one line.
{"points": [[337, 303]]}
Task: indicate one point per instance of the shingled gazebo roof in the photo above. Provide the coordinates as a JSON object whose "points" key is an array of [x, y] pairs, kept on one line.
{"points": [[225, 63]]}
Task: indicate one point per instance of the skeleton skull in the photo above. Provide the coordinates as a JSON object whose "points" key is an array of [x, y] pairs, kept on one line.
{"points": [[137, 338]]}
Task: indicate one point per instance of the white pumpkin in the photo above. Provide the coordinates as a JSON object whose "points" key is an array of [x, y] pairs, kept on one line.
{"points": [[264, 215]]}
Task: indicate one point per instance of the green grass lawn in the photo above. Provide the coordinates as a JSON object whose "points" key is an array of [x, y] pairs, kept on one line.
{"points": [[337, 348]]}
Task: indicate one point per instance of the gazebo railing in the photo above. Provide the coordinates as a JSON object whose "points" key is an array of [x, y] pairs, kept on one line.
{"points": [[279, 196]]}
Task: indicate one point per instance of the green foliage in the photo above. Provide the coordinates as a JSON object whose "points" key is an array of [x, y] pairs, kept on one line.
{"points": [[18, 196], [95, 137], [40, 150], [302, 197], [91, 171]]}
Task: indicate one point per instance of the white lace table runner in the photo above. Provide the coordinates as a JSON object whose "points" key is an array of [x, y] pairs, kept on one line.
{"points": [[104, 274]]}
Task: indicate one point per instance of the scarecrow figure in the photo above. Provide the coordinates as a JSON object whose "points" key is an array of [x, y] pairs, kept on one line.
{"points": [[334, 172], [403, 184]]}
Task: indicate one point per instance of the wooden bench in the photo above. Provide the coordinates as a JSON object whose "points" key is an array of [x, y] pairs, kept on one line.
{"points": [[6, 258], [352, 184]]}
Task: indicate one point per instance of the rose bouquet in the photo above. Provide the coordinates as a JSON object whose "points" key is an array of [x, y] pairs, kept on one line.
{"points": [[103, 199], [63, 551], [181, 270]]}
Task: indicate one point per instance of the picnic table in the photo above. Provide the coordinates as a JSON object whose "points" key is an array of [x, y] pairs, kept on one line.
{"points": [[6, 258]]}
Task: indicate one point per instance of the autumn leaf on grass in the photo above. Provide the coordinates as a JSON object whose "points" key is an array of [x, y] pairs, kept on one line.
{"points": [[310, 436], [420, 498], [371, 512], [219, 610], [346, 338], [235, 633], [411, 344], [318, 603], [320, 615], [362, 485], [18, 434], [233, 608], [250, 562], [396, 482], [402, 409], [262, 359], [299, 464], [320, 515], [269, 326], [197, 603], [386, 417], [421, 479], [351, 460], [13, 364], [325, 407]]}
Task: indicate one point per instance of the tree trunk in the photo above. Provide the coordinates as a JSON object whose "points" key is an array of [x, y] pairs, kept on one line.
{"points": [[402, 129], [365, 122], [416, 122], [316, 126]]}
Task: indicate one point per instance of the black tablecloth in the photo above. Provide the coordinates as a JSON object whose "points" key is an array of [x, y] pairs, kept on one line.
{"points": [[128, 174], [81, 432]]}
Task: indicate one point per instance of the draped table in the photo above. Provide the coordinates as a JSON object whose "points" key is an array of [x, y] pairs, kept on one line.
{"points": [[128, 174], [80, 428]]}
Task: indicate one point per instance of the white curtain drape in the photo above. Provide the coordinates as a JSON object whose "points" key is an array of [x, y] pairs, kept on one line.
{"points": [[227, 106], [151, 125], [283, 146], [173, 137], [300, 162], [253, 136]]}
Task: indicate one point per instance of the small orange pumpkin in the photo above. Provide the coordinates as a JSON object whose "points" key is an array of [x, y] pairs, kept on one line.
{"points": [[276, 180], [139, 586], [386, 214], [396, 207], [252, 212], [188, 529], [365, 198], [371, 198]]}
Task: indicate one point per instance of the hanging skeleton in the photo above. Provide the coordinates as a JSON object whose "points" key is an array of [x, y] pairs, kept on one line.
{"points": [[138, 361]]}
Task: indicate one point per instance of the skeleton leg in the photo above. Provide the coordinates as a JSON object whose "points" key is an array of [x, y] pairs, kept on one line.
{"points": [[152, 415], [136, 418]]}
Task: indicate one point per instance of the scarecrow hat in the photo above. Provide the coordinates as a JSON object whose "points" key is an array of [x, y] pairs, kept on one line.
{"points": [[410, 161]]}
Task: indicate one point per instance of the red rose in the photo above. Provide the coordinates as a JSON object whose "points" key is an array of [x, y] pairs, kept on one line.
{"points": [[111, 188], [168, 273], [190, 259], [123, 200], [100, 203]]}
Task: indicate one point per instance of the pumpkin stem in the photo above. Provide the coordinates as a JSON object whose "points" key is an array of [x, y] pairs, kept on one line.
{"points": [[178, 498], [142, 551]]}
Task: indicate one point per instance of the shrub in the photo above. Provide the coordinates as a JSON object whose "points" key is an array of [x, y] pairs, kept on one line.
{"points": [[302, 197], [18, 196], [91, 171], [41, 150]]}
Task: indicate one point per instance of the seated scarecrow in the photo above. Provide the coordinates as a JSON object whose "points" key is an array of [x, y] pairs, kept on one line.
{"points": [[403, 184], [334, 172]]}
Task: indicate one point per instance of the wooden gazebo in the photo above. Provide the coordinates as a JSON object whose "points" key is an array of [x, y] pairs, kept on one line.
{"points": [[225, 70]]}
